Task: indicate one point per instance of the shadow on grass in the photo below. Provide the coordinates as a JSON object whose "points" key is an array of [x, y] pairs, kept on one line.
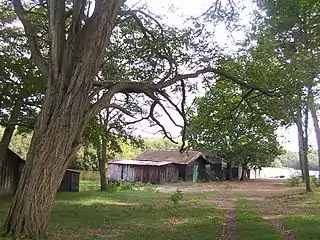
{"points": [[127, 215], [110, 219]]}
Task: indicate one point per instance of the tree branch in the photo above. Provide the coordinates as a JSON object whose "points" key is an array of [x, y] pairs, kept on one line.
{"points": [[216, 71], [164, 131], [120, 108], [157, 100], [31, 36], [57, 28]]}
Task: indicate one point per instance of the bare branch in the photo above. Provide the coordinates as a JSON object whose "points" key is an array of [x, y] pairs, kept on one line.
{"points": [[31, 36], [157, 100], [220, 73], [164, 131], [243, 98], [183, 115], [122, 109]]}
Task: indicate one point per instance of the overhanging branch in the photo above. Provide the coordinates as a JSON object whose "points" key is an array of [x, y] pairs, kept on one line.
{"points": [[31, 36], [216, 71]]}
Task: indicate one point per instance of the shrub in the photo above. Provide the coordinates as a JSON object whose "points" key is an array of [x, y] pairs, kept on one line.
{"points": [[112, 187], [211, 175], [124, 185], [294, 180], [176, 197], [314, 181]]}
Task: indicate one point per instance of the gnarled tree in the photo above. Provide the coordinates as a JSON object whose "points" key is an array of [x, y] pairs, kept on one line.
{"points": [[78, 36]]}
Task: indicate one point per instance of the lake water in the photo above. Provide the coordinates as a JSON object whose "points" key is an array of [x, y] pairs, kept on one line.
{"points": [[268, 172]]}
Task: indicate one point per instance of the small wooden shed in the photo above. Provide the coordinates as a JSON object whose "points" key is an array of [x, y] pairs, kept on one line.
{"points": [[144, 171], [192, 164], [70, 181], [10, 172]]}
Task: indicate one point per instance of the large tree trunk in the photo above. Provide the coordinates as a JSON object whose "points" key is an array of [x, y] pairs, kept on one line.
{"points": [[306, 140], [229, 172], [102, 165], [243, 172], [313, 111], [74, 63]]}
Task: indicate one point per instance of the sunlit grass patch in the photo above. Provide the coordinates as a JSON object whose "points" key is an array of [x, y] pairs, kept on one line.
{"points": [[305, 226], [251, 225]]}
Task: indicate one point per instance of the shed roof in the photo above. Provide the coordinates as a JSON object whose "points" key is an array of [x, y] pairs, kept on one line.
{"points": [[174, 156], [142, 163], [23, 161]]}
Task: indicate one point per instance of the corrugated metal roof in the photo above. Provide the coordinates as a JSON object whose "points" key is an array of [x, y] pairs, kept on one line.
{"points": [[142, 163], [174, 156]]}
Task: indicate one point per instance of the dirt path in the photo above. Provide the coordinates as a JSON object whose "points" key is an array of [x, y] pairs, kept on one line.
{"points": [[265, 194], [229, 228]]}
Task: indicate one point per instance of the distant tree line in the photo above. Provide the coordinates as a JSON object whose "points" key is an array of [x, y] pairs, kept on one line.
{"points": [[291, 159], [86, 158]]}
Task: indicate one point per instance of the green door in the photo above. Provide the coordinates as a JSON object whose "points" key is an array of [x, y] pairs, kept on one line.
{"points": [[195, 172]]}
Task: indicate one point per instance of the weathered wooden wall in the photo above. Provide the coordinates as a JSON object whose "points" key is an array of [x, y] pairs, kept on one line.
{"points": [[201, 169], [10, 173], [152, 174], [219, 171], [70, 181], [120, 171], [11, 170]]}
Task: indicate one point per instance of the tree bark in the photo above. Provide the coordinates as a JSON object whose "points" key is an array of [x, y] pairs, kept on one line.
{"points": [[316, 127], [248, 173], [306, 148], [102, 159], [74, 63], [102, 165], [301, 150], [229, 172], [243, 172]]}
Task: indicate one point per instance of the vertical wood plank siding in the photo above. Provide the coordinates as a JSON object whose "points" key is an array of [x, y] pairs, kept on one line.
{"points": [[10, 173], [135, 173]]}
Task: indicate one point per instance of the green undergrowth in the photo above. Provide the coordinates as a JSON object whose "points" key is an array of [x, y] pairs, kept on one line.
{"points": [[128, 214], [306, 221], [305, 226], [251, 225]]}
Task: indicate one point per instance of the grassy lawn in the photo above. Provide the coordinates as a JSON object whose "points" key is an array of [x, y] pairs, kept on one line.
{"points": [[128, 215], [305, 224], [251, 225]]}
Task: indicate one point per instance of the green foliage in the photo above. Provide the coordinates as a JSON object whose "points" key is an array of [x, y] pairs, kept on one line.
{"points": [[212, 176], [291, 159], [21, 83], [90, 180], [86, 157], [123, 185], [294, 181], [237, 131], [176, 197], [314, 181]]}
